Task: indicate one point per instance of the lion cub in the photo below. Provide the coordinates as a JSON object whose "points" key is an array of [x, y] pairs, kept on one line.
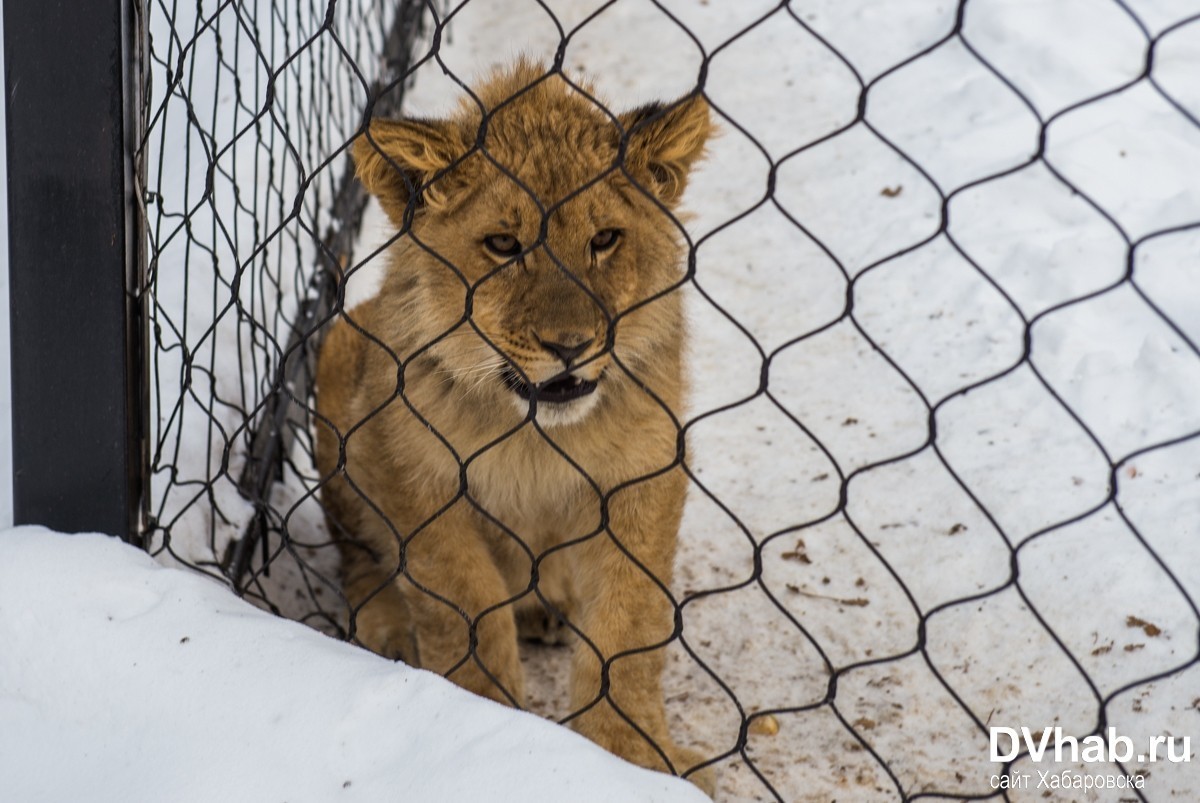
{"points": [[499, 425]]}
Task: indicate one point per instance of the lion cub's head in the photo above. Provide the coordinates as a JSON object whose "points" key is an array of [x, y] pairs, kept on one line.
{"points": [[539, 243]]}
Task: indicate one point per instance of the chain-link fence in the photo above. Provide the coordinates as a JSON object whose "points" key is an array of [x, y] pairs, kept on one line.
{"points": [[943, 449]]}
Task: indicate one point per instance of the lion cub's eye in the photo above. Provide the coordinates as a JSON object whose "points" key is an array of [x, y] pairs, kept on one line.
{"points": [[605, 240], [502, 245]]}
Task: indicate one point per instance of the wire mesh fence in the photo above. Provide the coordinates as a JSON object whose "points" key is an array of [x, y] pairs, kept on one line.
{"points": [[942, 442], [251, 106]]}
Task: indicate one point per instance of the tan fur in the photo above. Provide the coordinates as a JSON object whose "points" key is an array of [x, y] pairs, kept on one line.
{"points": [[566, 512]]}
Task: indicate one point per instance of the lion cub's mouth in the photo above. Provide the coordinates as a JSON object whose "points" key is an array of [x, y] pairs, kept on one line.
{"points": [[560, 389]]}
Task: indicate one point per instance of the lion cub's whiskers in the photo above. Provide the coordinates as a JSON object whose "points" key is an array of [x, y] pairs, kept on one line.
{"points": [[493, 371], [472, 377]]}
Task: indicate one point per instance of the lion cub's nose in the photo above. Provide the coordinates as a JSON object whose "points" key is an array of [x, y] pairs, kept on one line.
{"points": [[566, 352]]}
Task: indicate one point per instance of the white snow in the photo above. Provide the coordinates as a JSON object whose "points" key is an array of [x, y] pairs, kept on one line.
{"points": [[977, 487], [122, 680]]}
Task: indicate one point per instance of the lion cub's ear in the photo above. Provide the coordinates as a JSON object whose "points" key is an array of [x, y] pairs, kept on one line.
{"points": [[399, 157], [665, 140]]}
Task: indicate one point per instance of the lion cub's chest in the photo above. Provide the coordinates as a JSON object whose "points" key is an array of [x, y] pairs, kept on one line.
{"points": [[534, 491]]}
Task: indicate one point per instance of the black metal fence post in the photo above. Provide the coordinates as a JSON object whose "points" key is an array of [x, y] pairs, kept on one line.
{"points": [[75, 252]]}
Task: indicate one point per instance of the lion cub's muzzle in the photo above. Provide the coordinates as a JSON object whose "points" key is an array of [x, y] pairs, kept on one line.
{"points": [[570, 383]]}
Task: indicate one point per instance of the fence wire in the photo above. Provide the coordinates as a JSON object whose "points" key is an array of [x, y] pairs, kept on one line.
{"points": [[918, 602]]}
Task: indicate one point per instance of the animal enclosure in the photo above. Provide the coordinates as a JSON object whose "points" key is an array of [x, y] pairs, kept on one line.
{"points": [[944, 312]]}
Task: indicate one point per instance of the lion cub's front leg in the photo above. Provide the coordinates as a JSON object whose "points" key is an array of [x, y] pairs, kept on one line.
{"points": [[624, 612], [452, 587]]}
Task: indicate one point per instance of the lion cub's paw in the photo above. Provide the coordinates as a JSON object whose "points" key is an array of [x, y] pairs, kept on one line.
{"points": [[384, 636], [684, 759]]}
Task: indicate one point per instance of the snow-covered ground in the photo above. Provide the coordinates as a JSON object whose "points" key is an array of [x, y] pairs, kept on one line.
{"points": [[122, 680], [970, 493]]}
